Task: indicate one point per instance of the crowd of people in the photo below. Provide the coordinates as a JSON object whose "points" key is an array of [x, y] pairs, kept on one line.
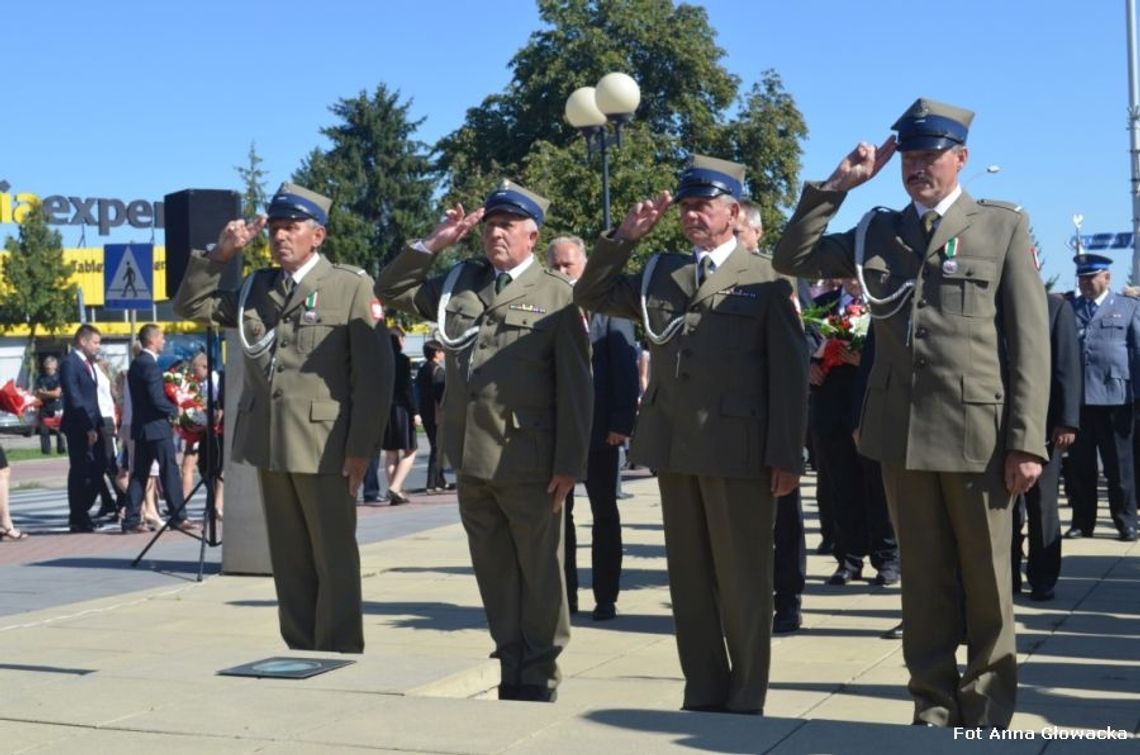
{"points": [[904, 359]]}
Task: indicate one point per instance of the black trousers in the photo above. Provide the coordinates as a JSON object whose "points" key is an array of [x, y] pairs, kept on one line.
{"points": [[435, 477], [863, 523], [824, 497], [84, 476], [1039, 506], [605, 532], [789, 572], [147, 452], [1107, 429]]}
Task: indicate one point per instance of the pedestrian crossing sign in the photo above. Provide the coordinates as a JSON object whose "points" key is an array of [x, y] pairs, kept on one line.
{"points": [[128, 276]]}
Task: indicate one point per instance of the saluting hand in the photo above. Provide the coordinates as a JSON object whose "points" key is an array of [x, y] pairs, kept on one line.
{"points": [[643, 217], [1021, 472], [236, 235], [861, 165], [455, 226]]}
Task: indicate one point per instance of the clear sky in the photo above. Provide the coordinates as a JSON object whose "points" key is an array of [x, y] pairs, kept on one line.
{"points": [[134, 100]]}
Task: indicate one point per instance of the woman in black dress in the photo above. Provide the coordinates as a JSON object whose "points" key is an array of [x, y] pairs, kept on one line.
{"points": [[400, 436]]}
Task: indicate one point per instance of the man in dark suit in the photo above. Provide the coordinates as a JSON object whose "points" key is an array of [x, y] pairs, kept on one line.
{"points": [[1109, 329], [614, 362], [863, 523], [1039, 503], [151, 412], [82, 423]]}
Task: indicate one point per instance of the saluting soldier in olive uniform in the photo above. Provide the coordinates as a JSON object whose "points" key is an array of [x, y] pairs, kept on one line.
{"points": [[315, 397], [722, 422], [956, 400], [516, 419]]}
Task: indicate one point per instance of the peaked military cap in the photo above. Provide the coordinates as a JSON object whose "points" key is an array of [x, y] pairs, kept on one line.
{"points": [[1091, 264], [710, 177], [293, 202], [929, 124], [511, 198]]}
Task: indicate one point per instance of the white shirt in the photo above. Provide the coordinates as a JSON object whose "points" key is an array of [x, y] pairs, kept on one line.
{"points": [[942, 207], [304, 269], [719, 255], [518, 269], [103, 391]]}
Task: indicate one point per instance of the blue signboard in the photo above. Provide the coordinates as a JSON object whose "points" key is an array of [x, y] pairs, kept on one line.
{"points": [[1100, 241], [128, 276]]}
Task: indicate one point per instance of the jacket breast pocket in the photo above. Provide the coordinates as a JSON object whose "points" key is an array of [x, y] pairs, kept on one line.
{"points": [[316, 327], [968, 288], [518, 324], [730, 322]]}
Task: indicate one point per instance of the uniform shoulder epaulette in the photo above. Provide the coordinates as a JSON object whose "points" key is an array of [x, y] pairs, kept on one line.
{"points": [[557, 276], [349, 268], [1011, 206]]}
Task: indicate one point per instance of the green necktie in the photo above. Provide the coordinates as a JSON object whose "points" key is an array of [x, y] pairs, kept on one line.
{"points": [[289, 284], [929, 218], [501, 282], [705, 269]]}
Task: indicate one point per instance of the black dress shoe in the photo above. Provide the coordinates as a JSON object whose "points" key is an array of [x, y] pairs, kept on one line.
{"points": [[1128, 535], [825, 547], [786, 621], [1041, 594], [1076, 534], [508, 691], [845, 574], [888, 575], [604, 612], [82, 527], [894, 633]]}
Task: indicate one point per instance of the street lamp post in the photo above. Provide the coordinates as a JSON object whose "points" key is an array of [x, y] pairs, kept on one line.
{"points": [[589, 109], [990, 170]]}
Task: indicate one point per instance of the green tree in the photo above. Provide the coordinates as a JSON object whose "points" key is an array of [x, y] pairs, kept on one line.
{"points": [[378, 176], [690, 104], [36, 288], [253, 201]]}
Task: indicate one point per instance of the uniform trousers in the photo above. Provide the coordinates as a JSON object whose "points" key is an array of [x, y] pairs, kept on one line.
{"points": [[718, 546], [1107, 429], [311, 522], [605, 529], [516, 550], [1039, 506], [954, 531]]}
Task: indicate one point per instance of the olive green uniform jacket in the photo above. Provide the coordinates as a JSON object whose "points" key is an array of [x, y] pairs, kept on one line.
{"points": [[519, 398], [960, 370], [727, 395], [323, 392]]}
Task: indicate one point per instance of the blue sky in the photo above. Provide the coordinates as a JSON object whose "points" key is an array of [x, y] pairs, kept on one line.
{"points": [[140, 99]]}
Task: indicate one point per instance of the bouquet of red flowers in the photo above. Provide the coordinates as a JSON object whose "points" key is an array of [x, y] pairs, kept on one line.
{"points": [[846, 331], [187, 395], [16, 400]]}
